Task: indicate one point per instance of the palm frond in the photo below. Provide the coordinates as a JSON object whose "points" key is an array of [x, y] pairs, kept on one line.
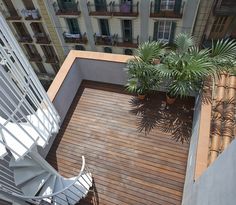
{"points": [[183, 42]]}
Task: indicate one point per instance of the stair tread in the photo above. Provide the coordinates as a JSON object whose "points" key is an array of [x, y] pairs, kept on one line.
{"points": [[61, 199], [80, 187], [32, 187], [48, 186], [23, 174], [26, 162]]}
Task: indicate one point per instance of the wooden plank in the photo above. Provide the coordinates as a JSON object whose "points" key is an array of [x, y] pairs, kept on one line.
{"points": [[129, 167]]}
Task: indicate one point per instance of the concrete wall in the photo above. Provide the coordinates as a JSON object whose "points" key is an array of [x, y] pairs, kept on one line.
{"points": [[217, 186], [190, 171], [102, 71], [96, 70]]}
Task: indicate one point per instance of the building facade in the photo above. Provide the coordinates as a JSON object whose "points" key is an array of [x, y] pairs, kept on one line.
{"points": [[48, 30], [215, 20]]}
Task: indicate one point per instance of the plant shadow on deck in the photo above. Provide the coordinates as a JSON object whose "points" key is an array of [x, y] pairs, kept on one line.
{"points": [[176, 119]]}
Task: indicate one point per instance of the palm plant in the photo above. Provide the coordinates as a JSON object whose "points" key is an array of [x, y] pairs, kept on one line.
{"points": [[187, 66], [140, 69]]}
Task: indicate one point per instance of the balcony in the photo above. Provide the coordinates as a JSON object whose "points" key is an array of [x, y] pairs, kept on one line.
{"points": [[225, 8], [50, 59], [25, 39], [35, 58], [75, 38], [125, 9], [125, 42], [11, 15], [104, 40], [154, 13], [67, 9], [42, 38], [100, 10], [100, 122], [31, 15]]}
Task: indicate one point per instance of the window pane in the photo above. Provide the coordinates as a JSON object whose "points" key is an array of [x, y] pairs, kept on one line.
{"points": [[104, 26]]}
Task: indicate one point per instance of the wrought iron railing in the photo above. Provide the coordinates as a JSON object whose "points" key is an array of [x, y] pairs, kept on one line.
{"points": [[125, 9], [67, 8], [157, 12], [75, 38]]}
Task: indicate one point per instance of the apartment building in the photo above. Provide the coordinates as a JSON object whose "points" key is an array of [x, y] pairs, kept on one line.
{"points": [[215, 20], [48, 30], [32, 27], [118, 26]]}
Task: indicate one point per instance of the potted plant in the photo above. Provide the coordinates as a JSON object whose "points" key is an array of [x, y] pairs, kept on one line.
{"points": [[186, 67], [140, 70]]}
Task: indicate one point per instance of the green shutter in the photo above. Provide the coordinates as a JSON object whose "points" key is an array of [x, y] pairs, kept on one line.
{"points": [[172, 32], [155, 31], [157, 6], [177, 7]]}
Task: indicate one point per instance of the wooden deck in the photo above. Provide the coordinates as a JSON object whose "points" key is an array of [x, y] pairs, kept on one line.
{"points": [[128, 166]]}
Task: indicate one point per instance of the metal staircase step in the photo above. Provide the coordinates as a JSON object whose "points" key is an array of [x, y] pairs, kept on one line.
{"points": [[48, 186], [32, 187], [60, 198], [81, 187], [23, 174], [26, 162]]}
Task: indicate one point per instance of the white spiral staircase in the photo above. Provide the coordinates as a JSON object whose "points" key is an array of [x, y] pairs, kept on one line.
{"points": [[27, 120]]}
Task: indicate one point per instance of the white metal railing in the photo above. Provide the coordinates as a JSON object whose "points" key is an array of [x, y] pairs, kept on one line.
{"points": [[27, 117], [70, 194]]}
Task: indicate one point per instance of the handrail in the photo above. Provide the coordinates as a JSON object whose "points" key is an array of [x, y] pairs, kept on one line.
{"points": [[59, 192]]}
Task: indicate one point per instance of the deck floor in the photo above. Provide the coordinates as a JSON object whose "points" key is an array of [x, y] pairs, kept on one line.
{"points": [[129, 167]]}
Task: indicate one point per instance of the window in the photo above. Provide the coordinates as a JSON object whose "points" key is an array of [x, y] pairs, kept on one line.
{"points": [[49, 52], [29, 5], [164, 30], [41, 68], [55, 67], [107, 50], [100, 5], [167, 4], [219, 24], [104, 27], [128, 52], [127, 30], [31, 50], [79, 47], [73, 25]]}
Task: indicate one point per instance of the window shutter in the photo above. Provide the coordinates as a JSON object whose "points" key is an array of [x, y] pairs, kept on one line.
{"points": [[177, 6], [155, 30], [172, 32], [157, 6]]}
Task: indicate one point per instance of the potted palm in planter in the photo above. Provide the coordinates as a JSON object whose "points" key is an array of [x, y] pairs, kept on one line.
{"points": [[186, 67], [140, 70]]}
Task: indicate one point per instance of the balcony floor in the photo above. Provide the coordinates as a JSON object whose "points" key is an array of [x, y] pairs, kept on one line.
{"points": [[128, 166]]}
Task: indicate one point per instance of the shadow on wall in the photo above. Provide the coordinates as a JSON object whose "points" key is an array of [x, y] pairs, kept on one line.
{"points": [[175, 119]]}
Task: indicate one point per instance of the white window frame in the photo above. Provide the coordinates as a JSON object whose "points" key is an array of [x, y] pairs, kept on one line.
{"points": [[163, 30], [167, 5]]}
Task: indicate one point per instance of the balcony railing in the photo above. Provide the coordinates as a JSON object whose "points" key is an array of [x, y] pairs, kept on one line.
{"points": [[68, 8], [11, 15], [158, 13], [31, 14], [100, 10], [127, 42], [125, 9], [50, 59], [35, 58], [104, 40], [25, 39], [75, 38], [222, 9], [42, 38]]}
